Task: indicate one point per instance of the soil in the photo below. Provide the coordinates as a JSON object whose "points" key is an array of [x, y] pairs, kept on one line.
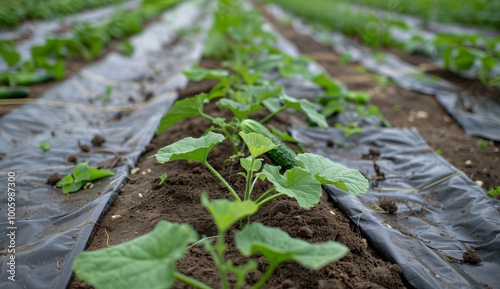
{"points": [[142, 202]]}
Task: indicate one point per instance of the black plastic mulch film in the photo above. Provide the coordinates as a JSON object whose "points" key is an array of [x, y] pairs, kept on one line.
{"points": [[441, 213], [478, 116], [51, 228]]}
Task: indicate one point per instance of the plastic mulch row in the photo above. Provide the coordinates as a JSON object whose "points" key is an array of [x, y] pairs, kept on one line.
{"points": [[477, 115], [51, 228], [441, 213]]}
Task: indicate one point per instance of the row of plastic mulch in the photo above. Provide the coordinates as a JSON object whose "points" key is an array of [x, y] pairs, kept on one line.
{"points": [[477, 115], [121, 98], [440, 213]]}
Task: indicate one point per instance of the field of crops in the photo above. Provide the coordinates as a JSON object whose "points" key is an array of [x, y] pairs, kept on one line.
{"points": [[249, 144]]}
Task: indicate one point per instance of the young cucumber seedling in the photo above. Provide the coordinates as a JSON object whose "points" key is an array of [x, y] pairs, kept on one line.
{"points": [[301, 182], [150, 260]]}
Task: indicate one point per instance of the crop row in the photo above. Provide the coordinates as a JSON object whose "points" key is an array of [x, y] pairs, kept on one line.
{"points": [[477, 12], [86, 42], [14, 13], [250, 58], [461, 53]]}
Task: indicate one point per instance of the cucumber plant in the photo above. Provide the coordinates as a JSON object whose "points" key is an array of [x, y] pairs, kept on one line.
{"points": [[301, 182]]}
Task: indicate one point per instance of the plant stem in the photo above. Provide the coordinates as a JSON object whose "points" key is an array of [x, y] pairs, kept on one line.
{"points": [[266, 276], [219, 249], [261, 198], [190, 281], [248, 186], [261, 203], [224, 131], [230, 138], [273, 114], [216, 173]]}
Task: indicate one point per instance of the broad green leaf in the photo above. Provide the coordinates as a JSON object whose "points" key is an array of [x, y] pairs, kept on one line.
{"points": [[9, 53], [225, 212], [45, 146], [99, 173], [296, 183], [190, 149], [328, 172], [240, 109], [181, 110], [273, 104], [306, 107], [464, 59], [295, 66], [257, 143], [72, 188], [199, 74], [247, 162], [58, 69], [329, 84], [269, 62], [68, 179], [81, 172], [278, 247], [146, 262], [261, 92]]}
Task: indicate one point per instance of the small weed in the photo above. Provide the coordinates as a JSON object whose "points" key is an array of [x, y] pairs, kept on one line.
{"points": [[163, 178], [482, 143], [396, 108], [494, 192], [45, 146]]}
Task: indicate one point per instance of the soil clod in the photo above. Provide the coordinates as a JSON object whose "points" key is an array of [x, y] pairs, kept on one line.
{"points": [[98, 140], [72, 158], [371, 155], [54, 178], [388, 205], [84, 147], [470, 257]]}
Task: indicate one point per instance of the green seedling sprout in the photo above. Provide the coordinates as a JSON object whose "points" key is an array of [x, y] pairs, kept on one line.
{"points": [[163, 178], [81, 175], [45, 146]]}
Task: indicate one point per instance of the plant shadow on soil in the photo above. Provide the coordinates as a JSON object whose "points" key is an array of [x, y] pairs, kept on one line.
{"points": [[142, 202]]}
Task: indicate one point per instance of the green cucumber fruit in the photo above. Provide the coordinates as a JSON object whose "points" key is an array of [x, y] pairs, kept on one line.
{"points": [[282, 155], [14, 92]]}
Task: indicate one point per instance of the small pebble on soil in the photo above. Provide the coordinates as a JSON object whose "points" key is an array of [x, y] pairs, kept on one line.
{"points": [[72, 158], [84, 147], [54, 178], [470, 257], [388, 205], [98, 140]]}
